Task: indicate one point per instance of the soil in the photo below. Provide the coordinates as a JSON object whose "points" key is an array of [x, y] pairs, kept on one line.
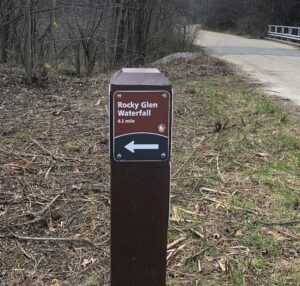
{"points": [[54, 180]]}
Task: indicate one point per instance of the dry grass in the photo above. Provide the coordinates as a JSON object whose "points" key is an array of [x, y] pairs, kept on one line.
{"points": [[54, 182], [235, 201]]}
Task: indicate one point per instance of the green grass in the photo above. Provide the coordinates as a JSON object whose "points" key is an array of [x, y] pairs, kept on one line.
{"points": [[92, 280], [265, 106], [255, 238], [258, 166], [237, 277], [191, 267]]}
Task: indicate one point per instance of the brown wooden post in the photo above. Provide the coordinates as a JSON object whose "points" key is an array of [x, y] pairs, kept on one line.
{"points": [[140, 148]]}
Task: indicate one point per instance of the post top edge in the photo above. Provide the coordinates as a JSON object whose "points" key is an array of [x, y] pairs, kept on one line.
{"points": [[140, 70], [140, 76]]}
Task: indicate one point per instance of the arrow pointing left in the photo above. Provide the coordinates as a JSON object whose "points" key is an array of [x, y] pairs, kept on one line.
{"points": [[131, 147]]}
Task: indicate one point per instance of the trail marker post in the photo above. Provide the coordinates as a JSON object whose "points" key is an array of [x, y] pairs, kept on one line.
{"points": [[140, 148]]}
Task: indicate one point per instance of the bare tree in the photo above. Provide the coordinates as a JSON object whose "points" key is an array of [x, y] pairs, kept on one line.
{"points": [[84, 34], [7, 15], [28, 42]]}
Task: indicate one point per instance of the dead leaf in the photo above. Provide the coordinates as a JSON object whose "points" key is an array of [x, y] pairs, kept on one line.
{"points": [[224, 264], [55, 282], [18, 194], [50, 226], [209, 258], [239, 233], [86, 262], [175, 214], [273, 233], [47, 173], [13, 166], [263, 155], [57, 113], [93, 225], [3, 210], [98, 102]]}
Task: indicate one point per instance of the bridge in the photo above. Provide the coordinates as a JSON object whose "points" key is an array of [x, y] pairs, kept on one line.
{"points": [[285, 33]]}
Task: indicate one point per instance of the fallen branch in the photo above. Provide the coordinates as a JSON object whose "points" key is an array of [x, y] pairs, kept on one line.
{"points": [[201, 252], [29, 256], [197, 233], [229, 207], [291, 222], [189, 212], [174, 253], [174, 243], [196, 255], [38, 215], [55, 157], [179, 273], [47, 239], [219, 172], [11, 153], [213, 191], [46, 151]]}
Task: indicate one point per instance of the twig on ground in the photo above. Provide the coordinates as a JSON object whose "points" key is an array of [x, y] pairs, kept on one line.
{"points": [[182, 273], [228, 206], [213, 191], [199, 181], [201, 252], [47, 239], [188, 159], [197, 233], [173, 254], [219, 172], [51, 203], [25, 252], [46, 151], [55, 157], [174, 243], [291, 222], [12, 154], [38, 215], [196, 255], [189, 212]]}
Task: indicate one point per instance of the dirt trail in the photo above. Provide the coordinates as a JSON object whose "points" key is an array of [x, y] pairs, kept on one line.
{"points": [[274, 64]]}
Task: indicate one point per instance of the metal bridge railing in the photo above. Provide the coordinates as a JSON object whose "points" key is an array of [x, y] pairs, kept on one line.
{"points": [[286, 33]]}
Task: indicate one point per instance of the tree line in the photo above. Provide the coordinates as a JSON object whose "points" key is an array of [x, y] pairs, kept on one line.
{"points": [[247, 16], [83, 35]]}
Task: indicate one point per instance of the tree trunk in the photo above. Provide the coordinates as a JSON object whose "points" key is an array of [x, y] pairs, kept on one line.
{"points": [[4, 38], [53, 24], [28, 42], [119, 16], [4, 52], [77, 59], [5, 31]]}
